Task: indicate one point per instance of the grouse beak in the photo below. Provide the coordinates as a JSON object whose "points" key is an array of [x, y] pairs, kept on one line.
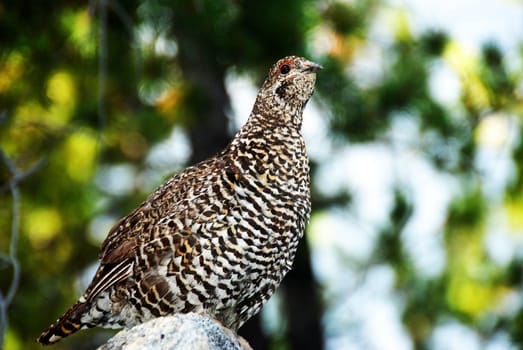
{"points": [[311, 67]]}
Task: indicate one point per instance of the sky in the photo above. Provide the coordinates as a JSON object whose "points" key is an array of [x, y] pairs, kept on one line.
{"points": [[470, 22]]}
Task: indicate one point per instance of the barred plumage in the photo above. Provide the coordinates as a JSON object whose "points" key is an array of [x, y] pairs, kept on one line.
{"points": [[218, 237]]}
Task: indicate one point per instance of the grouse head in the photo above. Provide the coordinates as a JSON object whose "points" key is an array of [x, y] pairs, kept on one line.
{"points": [[286, 90]]}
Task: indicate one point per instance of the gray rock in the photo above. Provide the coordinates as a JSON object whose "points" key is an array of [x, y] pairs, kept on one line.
{"points": [[178, 332]]}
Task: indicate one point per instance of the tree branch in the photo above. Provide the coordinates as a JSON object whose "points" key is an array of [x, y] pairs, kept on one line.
{"points": [[10, 258]]}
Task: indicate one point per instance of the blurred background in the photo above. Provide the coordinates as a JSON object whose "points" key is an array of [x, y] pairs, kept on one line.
{"points": [[414, 133]]}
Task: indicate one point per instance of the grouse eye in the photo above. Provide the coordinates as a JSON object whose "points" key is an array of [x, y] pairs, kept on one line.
{"points": [[285, 68]]}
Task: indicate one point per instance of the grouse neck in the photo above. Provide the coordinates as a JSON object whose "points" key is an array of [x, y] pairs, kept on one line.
{"points": [[287, 118]]}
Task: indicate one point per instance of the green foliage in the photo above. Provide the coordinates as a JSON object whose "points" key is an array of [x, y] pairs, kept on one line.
{"points": [[352, 113]]}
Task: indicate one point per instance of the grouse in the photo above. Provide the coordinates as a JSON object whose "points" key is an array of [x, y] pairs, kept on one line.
{"points": [[218, 237]]}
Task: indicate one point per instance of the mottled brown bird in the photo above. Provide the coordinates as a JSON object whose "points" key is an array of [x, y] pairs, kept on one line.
{"points": [[218, 237]]}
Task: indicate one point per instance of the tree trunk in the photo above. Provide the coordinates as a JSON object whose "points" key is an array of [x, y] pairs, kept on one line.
{"points": [[302, 305], [208, 131]]}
